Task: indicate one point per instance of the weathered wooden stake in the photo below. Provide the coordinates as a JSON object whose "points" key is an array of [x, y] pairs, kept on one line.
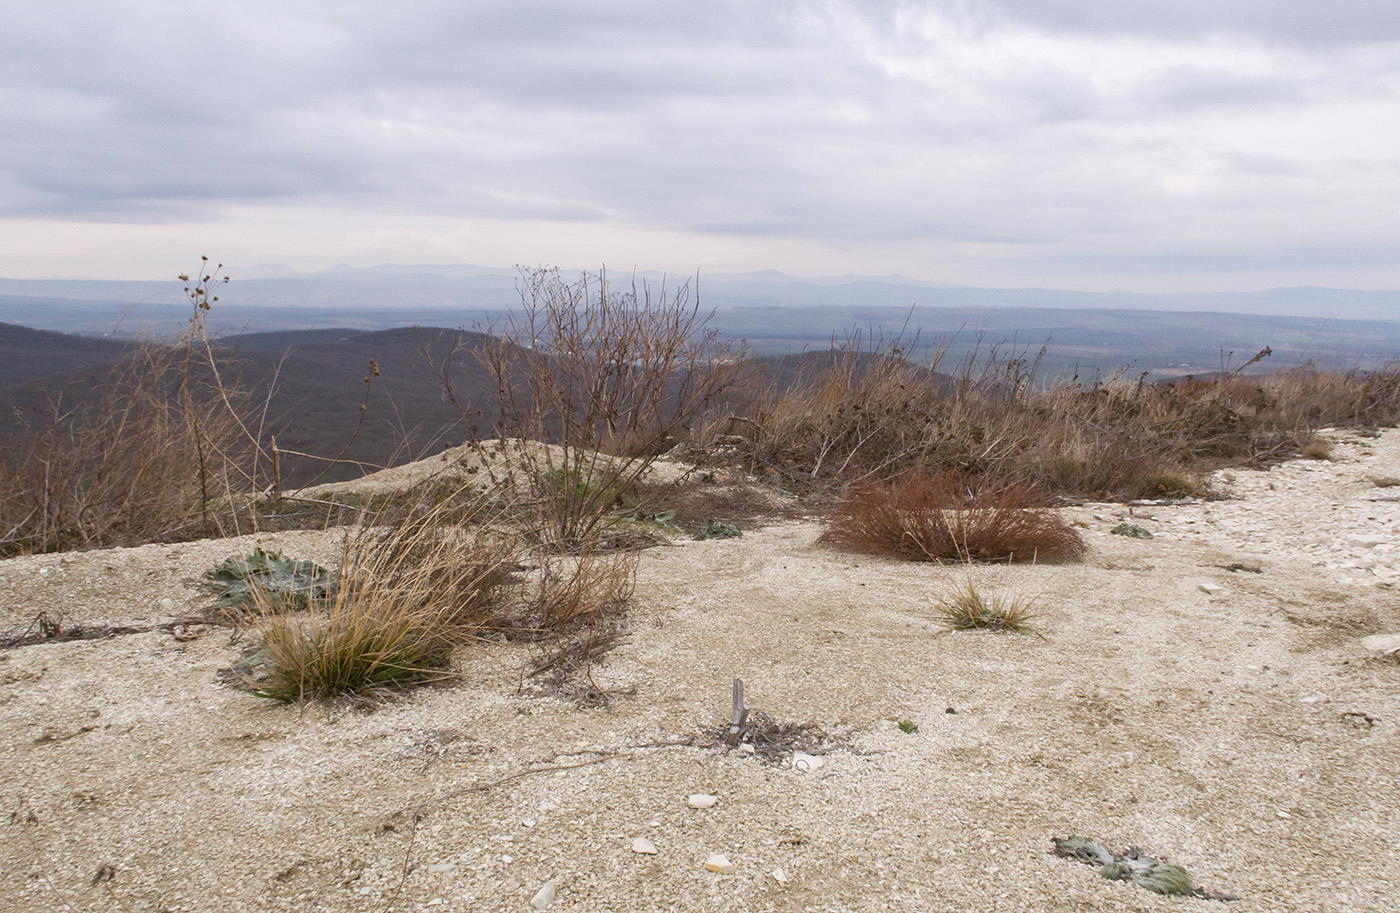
{"points": [[741, 713]]}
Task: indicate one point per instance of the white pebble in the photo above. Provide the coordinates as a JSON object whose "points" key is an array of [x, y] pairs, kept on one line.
{"points": [[804, 762], [643, 846], [1382, 643], [702, 800], [720, 863], [545, 896]]}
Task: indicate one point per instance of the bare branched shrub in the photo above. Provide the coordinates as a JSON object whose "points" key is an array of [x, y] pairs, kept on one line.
{"points": [[611, 378], [151, 452], [861, 410], [583, 588], [947, 516], [140, 462]]}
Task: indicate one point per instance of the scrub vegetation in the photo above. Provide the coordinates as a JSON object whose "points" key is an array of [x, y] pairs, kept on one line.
{"points": [[587, 387]]}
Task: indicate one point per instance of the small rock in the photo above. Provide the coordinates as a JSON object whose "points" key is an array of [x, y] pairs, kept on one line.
{"points": [[1212, 589], [747, 748], [1315, 699], [720, 863], [549, 806], [529, 822], [1382, 643], [545, 896], [442, 868], [702, 800], [780, 876], [643, 846], [653, 823], [805, 762]]}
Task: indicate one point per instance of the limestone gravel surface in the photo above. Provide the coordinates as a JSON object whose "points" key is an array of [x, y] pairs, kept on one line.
{"points": [[1243, 732]]}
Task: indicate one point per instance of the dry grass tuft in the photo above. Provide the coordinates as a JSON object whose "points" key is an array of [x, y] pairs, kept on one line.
{"points": [[947, 516], [965, 608], [414, 584], [408, 594]]}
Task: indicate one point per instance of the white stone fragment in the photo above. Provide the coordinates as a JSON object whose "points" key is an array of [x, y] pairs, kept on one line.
{"points": [[1364, 541], [805, 762], [1382, 643], [702, 800], [545, 896], [1212, 589], [720, 863], [643, 846], [442, 868], [529, 822], [780, 876]]}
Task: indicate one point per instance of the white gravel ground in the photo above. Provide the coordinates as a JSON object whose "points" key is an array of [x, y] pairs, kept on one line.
{"points": [[1242, 732]]}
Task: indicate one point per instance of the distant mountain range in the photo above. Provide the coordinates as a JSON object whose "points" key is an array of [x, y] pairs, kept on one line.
{"points": [[275, 298], [1086, 333]]}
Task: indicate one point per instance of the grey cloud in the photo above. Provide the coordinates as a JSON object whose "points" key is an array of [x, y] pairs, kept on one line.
{"points": [[1299, 22], [1189, 87], [759, 119]]}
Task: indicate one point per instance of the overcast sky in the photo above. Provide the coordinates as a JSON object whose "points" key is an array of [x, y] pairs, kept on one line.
{"points": [[1088, 144]]}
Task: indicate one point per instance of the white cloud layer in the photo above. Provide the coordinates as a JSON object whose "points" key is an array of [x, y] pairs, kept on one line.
{"points": [[1066, 143]]}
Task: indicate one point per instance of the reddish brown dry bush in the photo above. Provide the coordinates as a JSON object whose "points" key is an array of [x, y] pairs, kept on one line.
{"points": [[932, 517]]}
